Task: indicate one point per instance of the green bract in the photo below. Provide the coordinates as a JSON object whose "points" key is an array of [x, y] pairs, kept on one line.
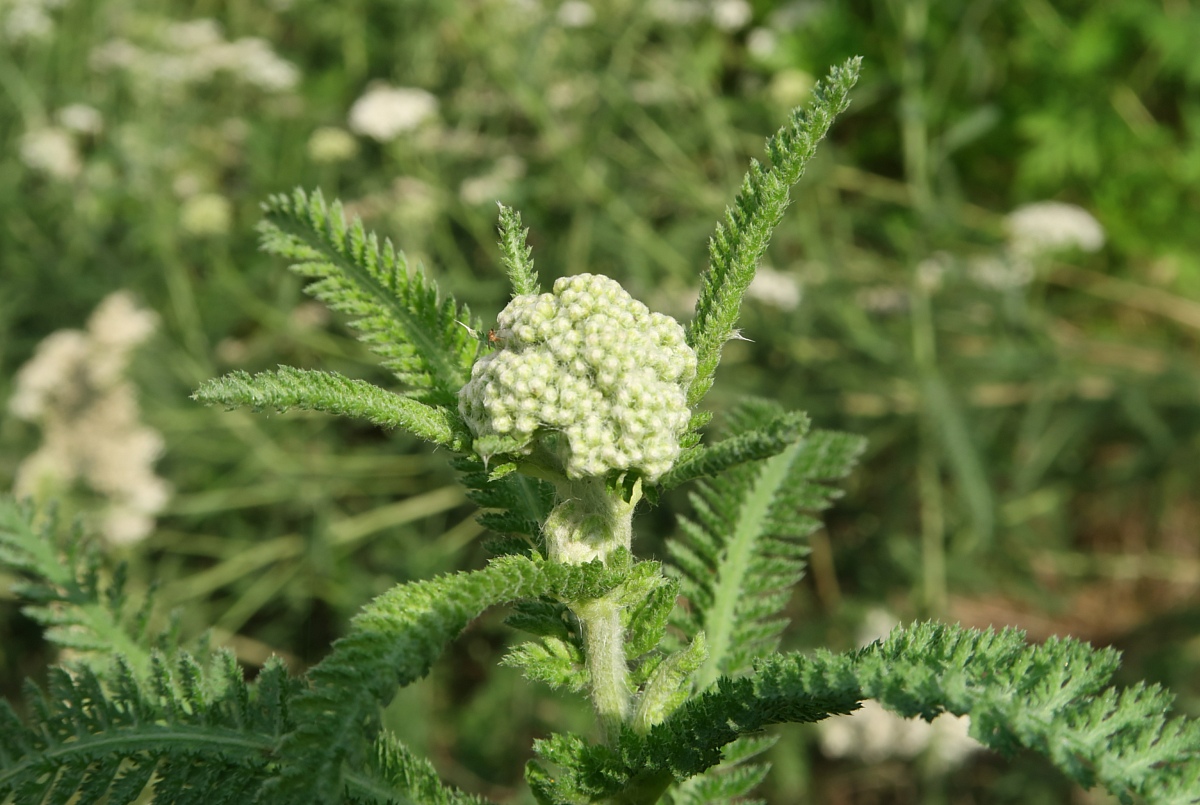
{"points": [[589, 369]]}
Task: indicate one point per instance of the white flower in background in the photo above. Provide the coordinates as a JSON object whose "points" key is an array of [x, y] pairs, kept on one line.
{"points": [[493, 185], [115, 54], [932, 270], [789, 88], [330, 144], [80, 118], [253, 60], [193, 34], [194, 52], [27, 20], [576, 14], [74, 387], [775, 288], [187, 184], [731, 15], [51, 150], [1000, 272], [384, 112], [882, 299], [206, 215], [1050, 226], [873, 734], [677, 12], [762, 43]]}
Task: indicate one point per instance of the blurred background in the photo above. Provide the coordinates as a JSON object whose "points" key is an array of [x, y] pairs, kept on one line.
{"points": [[991, 270]]}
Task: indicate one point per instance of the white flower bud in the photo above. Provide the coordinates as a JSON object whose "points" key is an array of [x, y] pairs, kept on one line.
{"points": [[590, 361]]}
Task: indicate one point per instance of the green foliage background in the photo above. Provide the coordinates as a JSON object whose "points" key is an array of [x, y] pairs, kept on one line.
{"points": [[1032, 448]]}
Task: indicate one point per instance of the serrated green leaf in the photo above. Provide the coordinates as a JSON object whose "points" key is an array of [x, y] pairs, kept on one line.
{"points": [[741, 239], [516, 254], [331, 393], [425, 340]]}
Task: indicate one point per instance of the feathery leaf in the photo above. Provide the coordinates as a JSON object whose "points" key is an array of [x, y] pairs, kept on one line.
{"points": [[739, 558], [776, 434], [741, 239], [397, 776], [202, 732], [424, 340], [516, 254], [66, 595], [392, 642], [332, 393], [1050, 698]]}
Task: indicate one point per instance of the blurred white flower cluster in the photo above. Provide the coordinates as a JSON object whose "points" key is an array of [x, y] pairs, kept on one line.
{"points": [[576, 14], [873, 734], [330, 144], [74, 387], [27, 20], [1045, 227], [195, 52], [495, 184], [775, 288], [1035, 232], [726, 15], [385, 112], [53, 150]]}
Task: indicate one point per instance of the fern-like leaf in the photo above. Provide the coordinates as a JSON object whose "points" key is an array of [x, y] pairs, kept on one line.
{"points": [[516, 254], [732, 780], [515, 504], [1051, 698], [332, 393], [67, 595], [392, 642], [398, 777], [741, 239], [202, 733], [778, 433], [739, 559], [426, 341]]}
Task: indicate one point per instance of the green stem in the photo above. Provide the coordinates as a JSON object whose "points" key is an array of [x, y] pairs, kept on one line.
{"points": [[589, 522], [608, 672]]}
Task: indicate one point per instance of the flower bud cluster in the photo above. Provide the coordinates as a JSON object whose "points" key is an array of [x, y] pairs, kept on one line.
{"points": [[591, 363]]}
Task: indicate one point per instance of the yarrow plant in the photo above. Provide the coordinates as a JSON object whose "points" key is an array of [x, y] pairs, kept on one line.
{"points": [[578, 406]]}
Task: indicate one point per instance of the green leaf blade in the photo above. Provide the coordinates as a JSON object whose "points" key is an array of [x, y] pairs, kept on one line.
{"points": [[331, 393], [741, 240], [516, 254], [428, 344]]}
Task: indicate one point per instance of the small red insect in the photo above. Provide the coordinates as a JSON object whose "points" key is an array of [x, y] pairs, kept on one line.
{"points": [[492, 337]]}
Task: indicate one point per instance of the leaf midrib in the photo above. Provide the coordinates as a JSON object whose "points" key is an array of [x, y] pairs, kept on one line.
{"points": [[720, 618]]}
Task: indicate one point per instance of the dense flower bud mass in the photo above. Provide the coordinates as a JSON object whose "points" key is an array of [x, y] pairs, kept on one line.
{"points": [[591, 363]]}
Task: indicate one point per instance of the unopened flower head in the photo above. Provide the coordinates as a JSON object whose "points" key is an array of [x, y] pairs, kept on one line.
{"points": [[593, 367]]}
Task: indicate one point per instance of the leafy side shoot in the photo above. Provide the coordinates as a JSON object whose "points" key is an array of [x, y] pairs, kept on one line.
{"points": [[331, 393], [741, 239], [516, 254], [397, 312], [739, 558]]}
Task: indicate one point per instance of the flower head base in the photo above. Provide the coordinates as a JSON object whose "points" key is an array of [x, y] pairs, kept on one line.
{"points": [[590, 366]]}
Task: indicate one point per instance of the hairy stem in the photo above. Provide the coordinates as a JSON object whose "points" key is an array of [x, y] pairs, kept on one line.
{"points": [[604, 646], [589, 522]]}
